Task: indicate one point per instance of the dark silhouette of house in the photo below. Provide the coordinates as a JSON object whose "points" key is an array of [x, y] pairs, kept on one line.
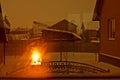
{"points": [[3, 39], [59, 39], [37, 28], [90, 34], [108, 13], [64, 25], [53, 34], [19, 34]]}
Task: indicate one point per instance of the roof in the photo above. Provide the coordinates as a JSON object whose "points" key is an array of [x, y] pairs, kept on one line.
{"points": [[62, 25], [92, 25], [97, 11], [20, 31], [39, 23], [7, 21], [75, 36]]}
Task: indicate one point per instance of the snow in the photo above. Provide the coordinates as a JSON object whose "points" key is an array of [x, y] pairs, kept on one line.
{"points": [[14, 63]]}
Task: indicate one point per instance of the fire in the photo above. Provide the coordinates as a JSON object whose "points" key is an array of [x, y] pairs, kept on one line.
{"points": [[36, 57]]}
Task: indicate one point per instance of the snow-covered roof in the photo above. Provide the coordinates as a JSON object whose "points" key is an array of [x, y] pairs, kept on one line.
{"points": [[55, 30], [93, 25]]}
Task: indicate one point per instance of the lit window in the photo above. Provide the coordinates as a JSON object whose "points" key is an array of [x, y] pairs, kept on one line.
{"points": [[111, 27]]}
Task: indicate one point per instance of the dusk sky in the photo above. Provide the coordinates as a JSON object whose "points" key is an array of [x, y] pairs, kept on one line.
{"points": [[22, 13]]}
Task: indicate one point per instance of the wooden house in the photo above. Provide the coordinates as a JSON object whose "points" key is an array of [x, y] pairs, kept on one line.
{"points": [[108, 13]]}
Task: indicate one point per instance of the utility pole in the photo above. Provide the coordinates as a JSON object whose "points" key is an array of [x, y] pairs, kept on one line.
{"points": [[61, 51], [4, 45], [2, 33]]}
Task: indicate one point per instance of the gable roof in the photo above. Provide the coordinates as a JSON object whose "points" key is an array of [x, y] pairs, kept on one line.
{"points": [[97, 11], [62, 25]]}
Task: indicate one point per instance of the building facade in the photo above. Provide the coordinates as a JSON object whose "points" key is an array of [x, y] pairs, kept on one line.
{"points": [[108, 13]]}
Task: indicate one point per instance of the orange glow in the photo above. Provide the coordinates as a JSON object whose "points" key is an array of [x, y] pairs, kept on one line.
{"points": [[36, 57]]}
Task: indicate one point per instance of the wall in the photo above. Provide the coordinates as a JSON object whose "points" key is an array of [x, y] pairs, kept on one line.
{"points": [[110, 10]]}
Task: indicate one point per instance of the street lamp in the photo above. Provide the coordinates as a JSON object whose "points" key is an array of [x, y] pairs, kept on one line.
{"points": [[36, 57]]}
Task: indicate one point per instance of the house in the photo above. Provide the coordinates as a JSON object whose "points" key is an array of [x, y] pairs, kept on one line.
{"points": [[108, 13], [90, 31], [58, 40], [37, 28], [19, 34], [3, 39], [90, 35], [64, 25]]}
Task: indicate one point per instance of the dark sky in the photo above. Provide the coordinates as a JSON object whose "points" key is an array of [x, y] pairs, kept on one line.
{"points": [[22, 13]]}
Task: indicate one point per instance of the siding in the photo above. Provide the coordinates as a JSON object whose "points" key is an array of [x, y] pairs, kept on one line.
{"points": [[110, 47]]}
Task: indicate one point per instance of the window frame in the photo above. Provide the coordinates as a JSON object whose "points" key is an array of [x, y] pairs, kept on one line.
{"points": [[111, 29]]}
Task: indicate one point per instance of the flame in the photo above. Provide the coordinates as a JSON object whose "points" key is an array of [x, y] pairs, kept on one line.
{"points": [[36, 57]]}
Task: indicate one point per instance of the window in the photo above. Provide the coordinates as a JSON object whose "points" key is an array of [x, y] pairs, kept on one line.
{"points": [[111, 28]]}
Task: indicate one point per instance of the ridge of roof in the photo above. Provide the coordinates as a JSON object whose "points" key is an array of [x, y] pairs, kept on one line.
{"points": [[64, 20]]}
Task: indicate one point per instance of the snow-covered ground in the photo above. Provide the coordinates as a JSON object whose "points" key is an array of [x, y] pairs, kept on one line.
{"points": [[16, 62]]}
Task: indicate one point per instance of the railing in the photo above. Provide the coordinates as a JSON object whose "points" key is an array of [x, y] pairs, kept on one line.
{"points": [[72, 67]]}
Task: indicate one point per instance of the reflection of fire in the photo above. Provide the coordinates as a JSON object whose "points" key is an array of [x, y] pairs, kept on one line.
{"points": [[36, 57]]}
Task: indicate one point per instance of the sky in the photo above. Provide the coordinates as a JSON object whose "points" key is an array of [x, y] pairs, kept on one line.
{"points": [[22, 13]]}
